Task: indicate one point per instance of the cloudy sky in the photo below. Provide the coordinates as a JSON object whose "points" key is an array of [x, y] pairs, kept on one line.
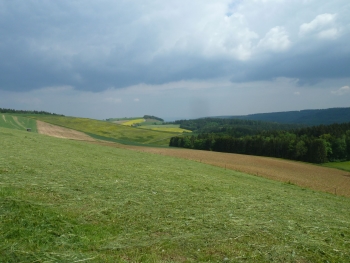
{"points": [[174, 58]]}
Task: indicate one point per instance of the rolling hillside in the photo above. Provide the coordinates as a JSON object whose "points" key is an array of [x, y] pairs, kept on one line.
{"points": [[69, 201], [111, 131], [17, 122], [307, 117]]}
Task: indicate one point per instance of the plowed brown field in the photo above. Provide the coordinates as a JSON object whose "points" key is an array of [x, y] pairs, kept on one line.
{"points": [[61, 132], [306, 175]]}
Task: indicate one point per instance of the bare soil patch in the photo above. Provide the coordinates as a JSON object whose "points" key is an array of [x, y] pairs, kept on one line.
{"points": [[61, 132]]}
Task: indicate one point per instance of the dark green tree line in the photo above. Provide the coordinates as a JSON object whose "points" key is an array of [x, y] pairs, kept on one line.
{"points": [[3, 110], [317, 144]]}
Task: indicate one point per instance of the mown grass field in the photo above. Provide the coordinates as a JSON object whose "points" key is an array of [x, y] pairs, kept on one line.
{"points": [[17, 122], [110, 131], [69, 201], [339, 165]]}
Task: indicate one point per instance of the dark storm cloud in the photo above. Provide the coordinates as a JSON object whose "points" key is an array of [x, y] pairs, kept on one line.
{"points": [[95, 46], [328, 62]]}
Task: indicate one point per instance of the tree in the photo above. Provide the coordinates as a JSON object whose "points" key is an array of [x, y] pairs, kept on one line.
{"points": [[300, 150]]}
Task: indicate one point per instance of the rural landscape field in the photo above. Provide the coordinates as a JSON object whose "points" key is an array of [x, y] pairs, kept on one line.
{"points": [[76, 198], [175, 131]]}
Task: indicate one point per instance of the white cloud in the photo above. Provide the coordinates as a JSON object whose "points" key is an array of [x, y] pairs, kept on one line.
{"points": [[329, 33], [341, 91], [276, 40], [297, 93], [322, 26], [136, 99]]}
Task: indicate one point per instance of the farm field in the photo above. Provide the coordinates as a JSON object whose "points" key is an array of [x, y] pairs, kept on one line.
{"points": [[110, 131], [302, 174], [133, 122], [122, 120], [305, 175], [339, 165], [17, 122], [61, 132], [167, 128], [71, 201]]}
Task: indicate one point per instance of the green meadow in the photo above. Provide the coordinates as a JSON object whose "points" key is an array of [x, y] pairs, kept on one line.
{"points": [[339, 165], [167, 128], [17, 122], [110, 131], [70, 201]]}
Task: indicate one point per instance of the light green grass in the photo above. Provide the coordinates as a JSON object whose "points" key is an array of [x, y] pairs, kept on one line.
{"points": [[68, 201], [151, 122], [133, 122], [167, 128], [339, 165], [123, 119], [121, 133], [17, 122]]}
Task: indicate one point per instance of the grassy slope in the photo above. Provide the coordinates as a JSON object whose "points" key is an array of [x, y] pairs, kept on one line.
{"points": [[167, 128], [132, 122], [68, 201], [339, 165], [119, 133], [17, 122]]}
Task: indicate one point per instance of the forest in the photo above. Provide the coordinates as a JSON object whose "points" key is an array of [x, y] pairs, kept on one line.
{"points": [[152, 117], [306, 117], [3, 110], [317, 144], [233, 127]]}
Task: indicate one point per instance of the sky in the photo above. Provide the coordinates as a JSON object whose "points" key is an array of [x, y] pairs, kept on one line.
{"points": [[174, 59]]}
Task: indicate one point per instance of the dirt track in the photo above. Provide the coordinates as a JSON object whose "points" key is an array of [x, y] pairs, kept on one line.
{"points": [[302, 174], [61, 132]]}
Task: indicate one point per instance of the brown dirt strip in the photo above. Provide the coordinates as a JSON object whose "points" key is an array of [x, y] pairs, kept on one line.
{"points": [[61, 132]]}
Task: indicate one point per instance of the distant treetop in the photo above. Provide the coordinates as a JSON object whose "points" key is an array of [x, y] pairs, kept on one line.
{"points": [[152, 117], [3, 110]]}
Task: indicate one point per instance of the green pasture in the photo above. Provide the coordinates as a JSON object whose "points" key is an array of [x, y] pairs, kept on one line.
{"points": [[167, 128], [103, 129], [123, 119], [149, 122], [13, 121], [339, 165], [70, 201], [133, 122]]}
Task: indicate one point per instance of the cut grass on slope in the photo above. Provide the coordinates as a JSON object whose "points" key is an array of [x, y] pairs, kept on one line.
{"points": [[17, 122], [103, 129], [68, 201]]}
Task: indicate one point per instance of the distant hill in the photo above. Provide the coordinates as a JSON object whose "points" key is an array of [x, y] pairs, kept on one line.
{"points": [[306, 117]]}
